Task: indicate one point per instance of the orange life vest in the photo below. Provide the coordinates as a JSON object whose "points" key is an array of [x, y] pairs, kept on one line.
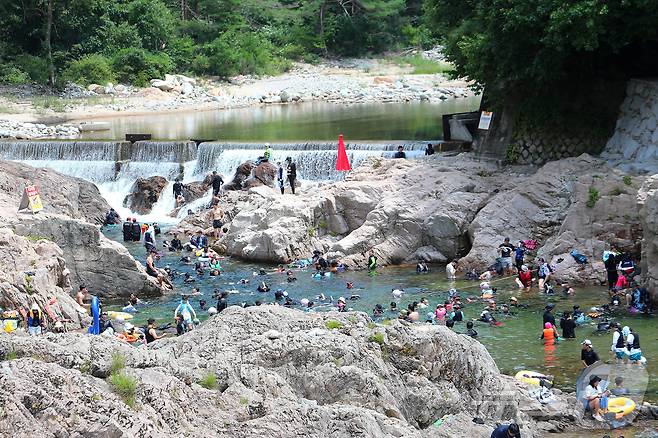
{"points": [[549, 335]]}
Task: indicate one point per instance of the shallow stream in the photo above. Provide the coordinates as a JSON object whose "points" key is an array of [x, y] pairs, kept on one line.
{"points": [[514, 346]]}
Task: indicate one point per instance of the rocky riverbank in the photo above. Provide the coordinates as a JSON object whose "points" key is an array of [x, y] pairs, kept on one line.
{"points": [[275, 372], [441, 208], [10, 129], [347, 82], [51, 253]]}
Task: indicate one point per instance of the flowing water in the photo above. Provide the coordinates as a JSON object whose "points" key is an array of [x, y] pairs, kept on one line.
{"points": [[298, 122], [515, 345]]}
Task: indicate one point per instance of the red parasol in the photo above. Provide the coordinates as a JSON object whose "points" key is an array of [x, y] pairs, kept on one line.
{"points": [[342, 162]]}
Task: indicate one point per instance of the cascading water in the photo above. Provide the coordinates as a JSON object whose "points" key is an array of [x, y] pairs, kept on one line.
{"points": [[315, 161], [115, 166]]}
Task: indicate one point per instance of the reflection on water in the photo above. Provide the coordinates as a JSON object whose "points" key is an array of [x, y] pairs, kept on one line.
{"points": [[299, 122]]}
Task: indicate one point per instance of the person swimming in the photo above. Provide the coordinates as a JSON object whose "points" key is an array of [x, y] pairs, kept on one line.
{"points": [[263, 287], [397, 293]]}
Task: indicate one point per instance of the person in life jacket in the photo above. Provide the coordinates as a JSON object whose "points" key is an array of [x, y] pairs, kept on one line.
{"points": [[127, 230], [372, 261], [34, 320], [626, 266], [267, 154], [618, 347], [549, 334], [136, 231], [632, 345]]}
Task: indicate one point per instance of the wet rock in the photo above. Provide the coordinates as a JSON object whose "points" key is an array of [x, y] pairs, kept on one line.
{"points": [[262, 174], [145, 194], [242, 173]]}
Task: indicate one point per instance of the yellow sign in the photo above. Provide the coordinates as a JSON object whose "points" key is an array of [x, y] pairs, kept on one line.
{"points": [[31, 200]]}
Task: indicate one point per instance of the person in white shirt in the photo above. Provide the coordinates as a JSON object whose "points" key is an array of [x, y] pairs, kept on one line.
{"points": [[595, 399], [451, 270]]}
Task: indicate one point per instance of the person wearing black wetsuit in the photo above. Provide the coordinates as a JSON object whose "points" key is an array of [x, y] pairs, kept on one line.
{"points": [[127, 231], [429, 150], [136, 231], [217, 182], [611, 269], [548, 316], [292, 174], [178, 189], [568, 326]]}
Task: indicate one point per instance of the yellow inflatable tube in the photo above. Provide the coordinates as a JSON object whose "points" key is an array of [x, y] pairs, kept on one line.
{"points": [[114, 315], [621, 405], [531, 377]]}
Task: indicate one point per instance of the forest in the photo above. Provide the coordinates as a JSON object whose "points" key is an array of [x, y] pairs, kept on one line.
{"points": [[132, 41]]}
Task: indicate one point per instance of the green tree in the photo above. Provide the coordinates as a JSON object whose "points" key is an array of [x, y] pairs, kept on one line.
{"points": [[550, 52]]}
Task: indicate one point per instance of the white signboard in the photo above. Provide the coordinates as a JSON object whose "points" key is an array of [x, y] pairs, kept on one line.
{"points": [[485, 120]]}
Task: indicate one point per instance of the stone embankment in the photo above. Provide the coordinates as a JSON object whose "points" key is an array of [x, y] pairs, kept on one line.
{"points": [[13, 130]]}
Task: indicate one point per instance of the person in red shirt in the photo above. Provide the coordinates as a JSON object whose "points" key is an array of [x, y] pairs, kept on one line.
{"points": [[524, 279]]}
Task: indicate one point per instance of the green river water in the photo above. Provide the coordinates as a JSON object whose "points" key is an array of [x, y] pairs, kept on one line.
{"points": [[514, 346], [300, 122]]}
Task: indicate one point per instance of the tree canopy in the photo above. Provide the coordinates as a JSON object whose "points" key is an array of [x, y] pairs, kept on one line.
{"points": [[551, 52], [130, 39]]}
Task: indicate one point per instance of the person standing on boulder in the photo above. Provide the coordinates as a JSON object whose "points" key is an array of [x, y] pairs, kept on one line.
{"points": [[217, 221], [178, 188], [217, 182], [267, 155], [292, 173], [279, 177]]}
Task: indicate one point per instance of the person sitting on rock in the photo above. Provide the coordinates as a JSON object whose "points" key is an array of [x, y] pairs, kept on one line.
{"points": [[112, 217], [506, 431], [152, 271]]}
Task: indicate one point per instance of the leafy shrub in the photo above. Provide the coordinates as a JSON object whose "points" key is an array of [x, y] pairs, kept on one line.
{"points": [[592, 197], [513, 153], [628, 180], [11, 355], [138, 66], [12, 75], [331, 324], [209, 381], [125, 386], [239, 51], [119, 36], [377, 338], [90, 69], [36, 68], [118, 363]]}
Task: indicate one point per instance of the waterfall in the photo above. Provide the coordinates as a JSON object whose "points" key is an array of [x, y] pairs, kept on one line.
{"points": [[115, 165], [315, 161]]}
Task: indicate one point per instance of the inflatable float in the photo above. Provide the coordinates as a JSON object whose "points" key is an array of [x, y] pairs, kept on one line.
{"points": [[621, 405], [532, 377], [115, 314]]}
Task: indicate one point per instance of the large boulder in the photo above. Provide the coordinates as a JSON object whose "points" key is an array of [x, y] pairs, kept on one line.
{"points": [[264, 174], [281, 372], [648, 203], [242, 173], [33, 270], [60, 194], [194, 190], [401, 209], [145, 193], [105, 266]]}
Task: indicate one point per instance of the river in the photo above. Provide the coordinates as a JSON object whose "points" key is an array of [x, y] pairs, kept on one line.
{"points": [[514, 346], [294, 122]]}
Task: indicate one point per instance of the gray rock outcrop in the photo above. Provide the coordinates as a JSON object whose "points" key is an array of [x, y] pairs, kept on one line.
{"points": [[103, 265], [34, 271], [277, 372], [72, 207], [634, 145], [648, 202]]}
